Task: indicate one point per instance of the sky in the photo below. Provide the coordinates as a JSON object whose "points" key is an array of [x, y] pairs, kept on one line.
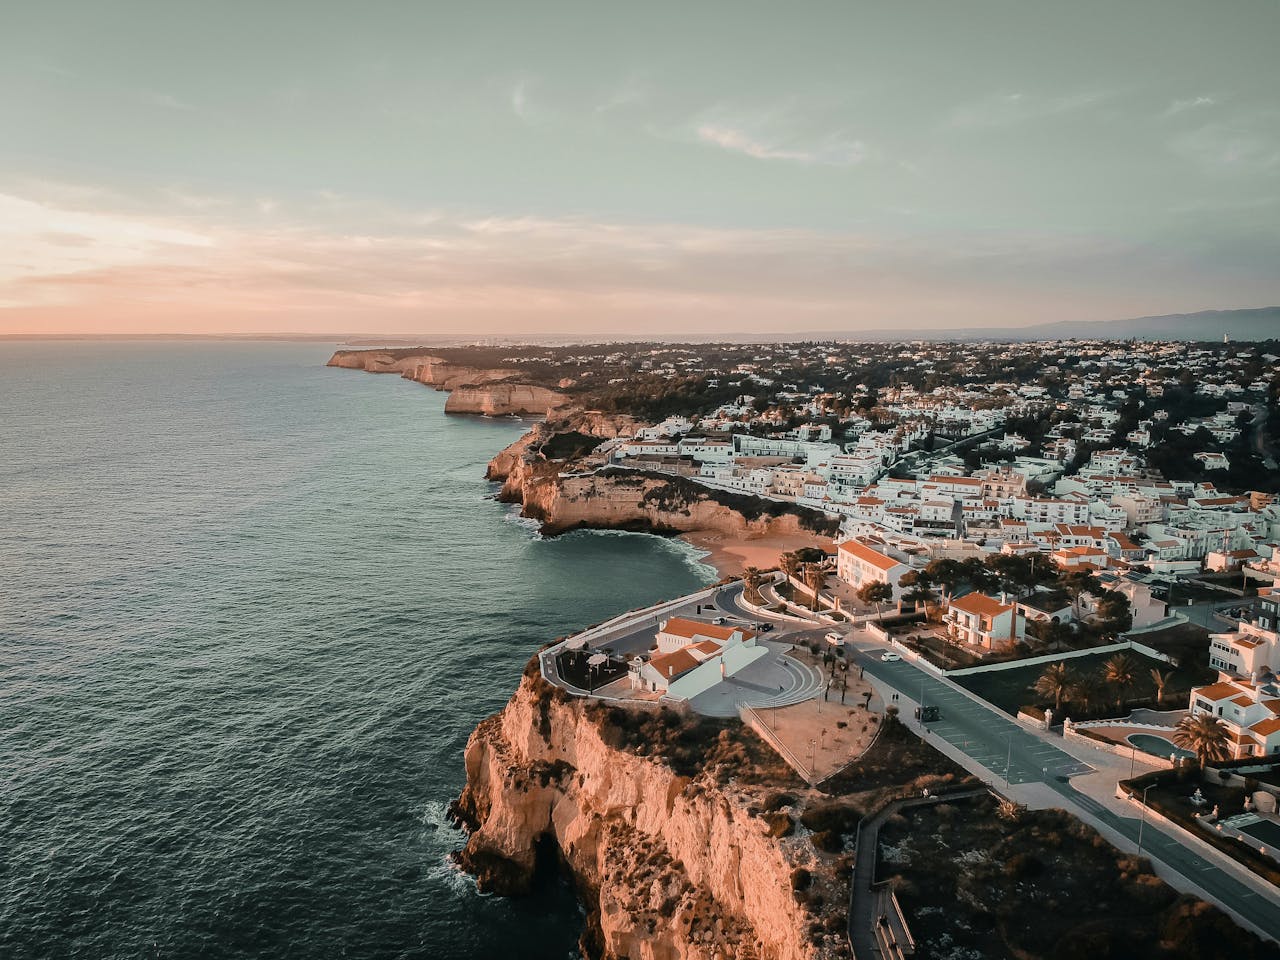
{"points": [[597, 167]]}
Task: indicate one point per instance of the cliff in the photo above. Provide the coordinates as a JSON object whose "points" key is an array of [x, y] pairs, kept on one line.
{"points": [[500, 399], [490, 391], [669, 865], [630, 500]]}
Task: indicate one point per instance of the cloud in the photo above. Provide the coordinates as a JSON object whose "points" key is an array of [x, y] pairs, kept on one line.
{"points": [[520, 103], [1180, 106], [1008, 109], [832, 151], [1246, 144], [634, 90], [68, 269]]}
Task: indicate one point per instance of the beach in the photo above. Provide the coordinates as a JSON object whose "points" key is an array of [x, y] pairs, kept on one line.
{"points": [[731, 555]]}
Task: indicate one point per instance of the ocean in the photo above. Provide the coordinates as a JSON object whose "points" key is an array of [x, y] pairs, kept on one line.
{"points": [[250, 610]]}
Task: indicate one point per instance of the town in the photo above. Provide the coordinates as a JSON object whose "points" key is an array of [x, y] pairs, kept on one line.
{"points": [[1056, 562]]}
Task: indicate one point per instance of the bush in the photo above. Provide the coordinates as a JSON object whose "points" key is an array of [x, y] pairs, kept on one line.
{"points": [[800, 879]]}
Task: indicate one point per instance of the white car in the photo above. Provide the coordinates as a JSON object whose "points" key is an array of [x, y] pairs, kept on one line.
{"points": [[835, 638], [889, 657]]}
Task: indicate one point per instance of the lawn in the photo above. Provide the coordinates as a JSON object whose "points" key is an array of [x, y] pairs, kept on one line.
{"points": [[1011, 688], [1041, 887]]}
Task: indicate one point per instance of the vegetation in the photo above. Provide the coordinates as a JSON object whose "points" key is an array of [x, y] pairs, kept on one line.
{"points": [[1204, 735], [1040, 885]]}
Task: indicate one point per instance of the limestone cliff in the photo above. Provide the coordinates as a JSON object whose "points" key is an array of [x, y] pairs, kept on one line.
{"points": [[630, 500], [374, 361], [491, 391], [669, 867], [500, 399], [444, 375]]}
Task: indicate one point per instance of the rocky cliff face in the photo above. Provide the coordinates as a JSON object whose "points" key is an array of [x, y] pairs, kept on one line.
{"points": [[669, 867], [624, 500], [491, 391], [500, 399], [444, 375], [373, 361]]}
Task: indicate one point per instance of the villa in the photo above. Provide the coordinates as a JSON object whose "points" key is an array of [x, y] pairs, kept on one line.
{"points": [[981, 621], [692, 656], [1250, 712]]}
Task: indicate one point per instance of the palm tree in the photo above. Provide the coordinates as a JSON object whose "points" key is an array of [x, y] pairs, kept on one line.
{"points": [[1120, 673], [751, 578], [815, 578], [1058, 682], [1160, 678], [1204, 735], [789, 563]]}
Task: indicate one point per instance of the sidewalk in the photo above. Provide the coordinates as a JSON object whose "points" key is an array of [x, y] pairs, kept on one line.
{"points": [[1183, 861]]}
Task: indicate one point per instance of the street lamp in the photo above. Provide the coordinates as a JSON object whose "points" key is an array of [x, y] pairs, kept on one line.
{"points": [[1143, 822], [1008, 760]]}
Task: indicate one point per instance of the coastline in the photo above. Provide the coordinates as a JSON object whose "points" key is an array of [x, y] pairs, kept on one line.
{"points": [[731, 555]]}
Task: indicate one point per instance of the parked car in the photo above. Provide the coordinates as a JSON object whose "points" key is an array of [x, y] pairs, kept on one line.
{"points": [[720, 621], [889, 657], [835, 638]]}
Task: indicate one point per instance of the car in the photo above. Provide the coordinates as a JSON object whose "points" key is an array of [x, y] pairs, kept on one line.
{"points": [[889, 657], [835, 638], [764, 627], [720, 621]]}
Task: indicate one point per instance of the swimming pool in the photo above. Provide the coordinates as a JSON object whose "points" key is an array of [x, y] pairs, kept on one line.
{"points": [[1157, 746], [1265, 831]]}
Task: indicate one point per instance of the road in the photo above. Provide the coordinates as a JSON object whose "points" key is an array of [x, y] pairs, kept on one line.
{"points": [[1002, 751]]}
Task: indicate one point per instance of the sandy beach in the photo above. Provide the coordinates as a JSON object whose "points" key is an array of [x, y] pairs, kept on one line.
{"points": [[730, 555]]}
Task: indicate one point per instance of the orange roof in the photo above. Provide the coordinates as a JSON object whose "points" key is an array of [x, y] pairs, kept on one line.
{"points": [[1242, 701], [1218, 691], [1246, 642], [874, 557], [708, 647], [684, 627], [1266, 727], [671, 665], [981, 604], [965, 481]]}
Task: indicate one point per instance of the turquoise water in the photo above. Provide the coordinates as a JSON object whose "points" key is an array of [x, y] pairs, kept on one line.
{"points": [[1157, 746], [250, 609]]}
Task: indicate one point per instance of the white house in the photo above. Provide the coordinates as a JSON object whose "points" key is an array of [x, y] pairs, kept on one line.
{"points": [[859, 563], [981, 621]]}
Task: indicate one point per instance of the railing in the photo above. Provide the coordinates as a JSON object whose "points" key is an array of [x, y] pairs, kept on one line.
{"points": [[749, 716]]}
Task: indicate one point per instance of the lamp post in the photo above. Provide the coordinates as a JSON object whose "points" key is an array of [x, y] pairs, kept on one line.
{"points": [[1133, 757], [1143, 822], [1008, 760]]}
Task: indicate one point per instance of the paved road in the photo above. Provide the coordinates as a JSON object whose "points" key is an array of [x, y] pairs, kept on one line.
{"points": [[1006, 749]]}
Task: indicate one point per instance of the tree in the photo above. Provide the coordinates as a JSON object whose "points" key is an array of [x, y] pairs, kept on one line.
{"points": [[1121, 674], [1204, 735], [1058, 682], [815, 578], [877, 592], [979, 577], [1077, 583], [1115, 612], [918, 587], [947, 574], [790, 564], [751, 579], [1160, 679]]}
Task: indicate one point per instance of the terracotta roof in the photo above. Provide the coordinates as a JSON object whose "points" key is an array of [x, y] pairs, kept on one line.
{"points": [[672, 665], [865, 553], [1218, 691], [981, 604], [1267, 727], [1242, 701], [684, 627]]}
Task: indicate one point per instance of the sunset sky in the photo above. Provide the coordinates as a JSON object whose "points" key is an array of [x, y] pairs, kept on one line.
{"points": [[557, 167]]}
